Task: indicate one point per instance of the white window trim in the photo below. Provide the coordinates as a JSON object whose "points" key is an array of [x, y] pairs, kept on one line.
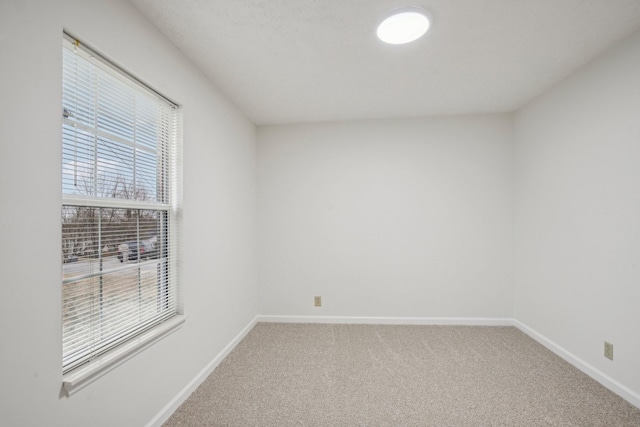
{"points": [[86, 374]]}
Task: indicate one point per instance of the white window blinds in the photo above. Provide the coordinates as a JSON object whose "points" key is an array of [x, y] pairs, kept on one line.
{"points": [[119, 193]]}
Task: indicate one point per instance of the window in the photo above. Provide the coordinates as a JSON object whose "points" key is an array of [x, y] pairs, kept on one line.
{"points": [[119, 206]]}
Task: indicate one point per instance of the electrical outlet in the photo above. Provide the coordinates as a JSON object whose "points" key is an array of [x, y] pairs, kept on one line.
{"points": [[317, 301], [608, 350]]}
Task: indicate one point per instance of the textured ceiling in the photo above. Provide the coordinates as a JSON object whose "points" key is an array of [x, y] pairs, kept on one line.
{"points": [[288, 61]]}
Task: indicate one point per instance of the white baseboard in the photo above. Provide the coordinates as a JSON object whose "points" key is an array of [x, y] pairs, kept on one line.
{"points": [[366, 320], [613, 385], [170, 408]]}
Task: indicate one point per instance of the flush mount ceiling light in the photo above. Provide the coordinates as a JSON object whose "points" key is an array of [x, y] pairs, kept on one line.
{"points": [[404, 26]]}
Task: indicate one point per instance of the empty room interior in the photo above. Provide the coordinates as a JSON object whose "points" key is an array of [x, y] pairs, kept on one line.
{"points": [[483, 175]]}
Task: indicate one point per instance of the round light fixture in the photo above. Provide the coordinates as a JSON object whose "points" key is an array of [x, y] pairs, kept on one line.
{"points": [[404, 26]]}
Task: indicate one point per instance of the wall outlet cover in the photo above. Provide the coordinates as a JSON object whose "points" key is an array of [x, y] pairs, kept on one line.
{"points": [[608, 350]]}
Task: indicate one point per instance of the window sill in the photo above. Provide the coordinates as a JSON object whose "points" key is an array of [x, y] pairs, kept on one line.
{"points": [[86, 374]]}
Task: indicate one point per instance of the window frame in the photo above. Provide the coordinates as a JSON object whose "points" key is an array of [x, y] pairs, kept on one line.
{"points": [[99, 363]]}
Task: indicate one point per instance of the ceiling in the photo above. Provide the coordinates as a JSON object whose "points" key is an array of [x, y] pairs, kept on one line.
{"points": [[289, 61]]}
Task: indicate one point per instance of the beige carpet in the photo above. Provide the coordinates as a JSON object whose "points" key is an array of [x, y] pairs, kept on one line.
{"points": [[368, 375]]}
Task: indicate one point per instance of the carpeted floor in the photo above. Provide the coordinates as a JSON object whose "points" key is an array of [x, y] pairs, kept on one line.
{"points": [[374, 375]]}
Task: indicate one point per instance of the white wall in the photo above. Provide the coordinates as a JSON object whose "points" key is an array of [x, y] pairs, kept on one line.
{"points": [[219, 279], [577, 274], [408, 218]]}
